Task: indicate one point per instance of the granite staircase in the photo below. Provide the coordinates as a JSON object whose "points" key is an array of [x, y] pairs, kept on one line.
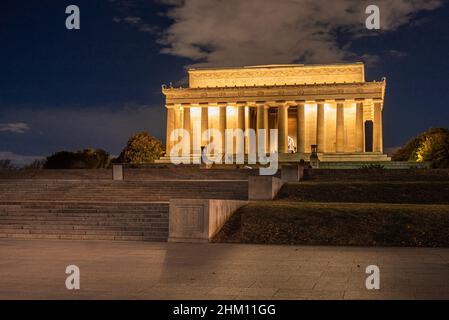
{"points": [[84, 221], [100, 209]]}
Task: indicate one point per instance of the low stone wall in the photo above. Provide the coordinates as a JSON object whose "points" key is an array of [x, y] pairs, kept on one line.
{"points": [[61, 174], [263, 187], [198, 220], [377, 174], [160, 172], [187, 173], [292, 172]]}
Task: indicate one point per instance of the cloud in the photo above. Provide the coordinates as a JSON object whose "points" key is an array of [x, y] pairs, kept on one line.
{"points": [[16, 127], [133, 20], [235, 32], [18, 159], [138, 23], [396, 53]]}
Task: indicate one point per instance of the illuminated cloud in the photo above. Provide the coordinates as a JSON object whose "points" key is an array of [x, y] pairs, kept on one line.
{"points": [[235, 32]]}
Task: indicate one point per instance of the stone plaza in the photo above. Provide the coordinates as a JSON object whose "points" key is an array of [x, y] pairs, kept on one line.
{"points": [[145, 270]]}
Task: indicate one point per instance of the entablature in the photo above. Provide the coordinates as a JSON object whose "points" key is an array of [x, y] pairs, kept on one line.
{"points": [[339, 91]]}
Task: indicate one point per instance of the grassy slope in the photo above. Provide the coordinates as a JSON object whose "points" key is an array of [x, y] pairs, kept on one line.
{"points": [[362, 224], [430, 192]]}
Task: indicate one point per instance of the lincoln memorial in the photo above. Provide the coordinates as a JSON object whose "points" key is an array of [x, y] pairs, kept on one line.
{"points": [[329, 108]]}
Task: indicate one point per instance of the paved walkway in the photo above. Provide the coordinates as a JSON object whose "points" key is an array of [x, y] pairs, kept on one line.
{"points": [[136, 270]]}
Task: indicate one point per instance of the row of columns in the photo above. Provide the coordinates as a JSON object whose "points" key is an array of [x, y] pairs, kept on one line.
{"points": [[174, 121]]}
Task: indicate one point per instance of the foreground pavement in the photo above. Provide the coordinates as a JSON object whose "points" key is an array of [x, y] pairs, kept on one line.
{"points": [[35, 269]]}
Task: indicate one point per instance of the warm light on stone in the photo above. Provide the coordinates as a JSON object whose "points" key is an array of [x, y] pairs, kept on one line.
{"points": [[323, 105]]}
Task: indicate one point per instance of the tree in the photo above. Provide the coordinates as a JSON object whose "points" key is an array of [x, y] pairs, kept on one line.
{"points": [[6, 164], [82, 159], [141, 148], [36, 164], [430, 146]]}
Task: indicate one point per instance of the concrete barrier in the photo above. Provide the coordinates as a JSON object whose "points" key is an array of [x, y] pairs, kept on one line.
{"points": [[117, 172], [198, 220], [292, 172], [263, 187]]}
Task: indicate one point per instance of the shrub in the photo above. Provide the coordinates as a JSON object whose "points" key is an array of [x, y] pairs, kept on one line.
{"points": [[430, 146], [82, 159], [141, 148], [372, 166]]}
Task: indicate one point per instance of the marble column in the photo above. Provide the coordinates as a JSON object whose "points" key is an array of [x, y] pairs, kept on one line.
{"points": [[188, 143], [283, 128], [320, 140], [340, 145], [179, 122], [170, 128], [240, 144], [260, 120], [359, 128], [178, 118], [222, 127], [267, 127], [204, 124], [377, 127], [301, 128]]}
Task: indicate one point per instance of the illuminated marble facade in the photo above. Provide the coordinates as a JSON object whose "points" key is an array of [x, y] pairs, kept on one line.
{"points": [[331, 106]]}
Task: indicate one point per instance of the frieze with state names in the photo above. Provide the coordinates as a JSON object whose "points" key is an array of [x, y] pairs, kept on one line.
{"points": [[371, 90]]}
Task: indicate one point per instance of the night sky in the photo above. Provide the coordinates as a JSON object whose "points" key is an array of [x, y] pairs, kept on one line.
{"points": [[72, 89]]}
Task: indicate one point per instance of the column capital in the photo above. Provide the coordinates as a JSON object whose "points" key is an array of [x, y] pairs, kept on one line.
{"points": [[291, 103]]}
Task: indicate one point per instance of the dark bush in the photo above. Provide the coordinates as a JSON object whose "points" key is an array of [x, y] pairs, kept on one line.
{"points": [[82, 159]]}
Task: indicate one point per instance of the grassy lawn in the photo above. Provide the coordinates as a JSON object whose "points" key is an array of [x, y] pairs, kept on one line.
{"points": [[358, 224], [429, 192]]}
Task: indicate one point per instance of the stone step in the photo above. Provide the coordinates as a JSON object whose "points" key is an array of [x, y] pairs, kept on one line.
{"points": [[85, 223], [82, 212], [156, 233], [83, 217], [17, 226], [146, 172], [84, 237], [145, 221], [80, 221]]}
